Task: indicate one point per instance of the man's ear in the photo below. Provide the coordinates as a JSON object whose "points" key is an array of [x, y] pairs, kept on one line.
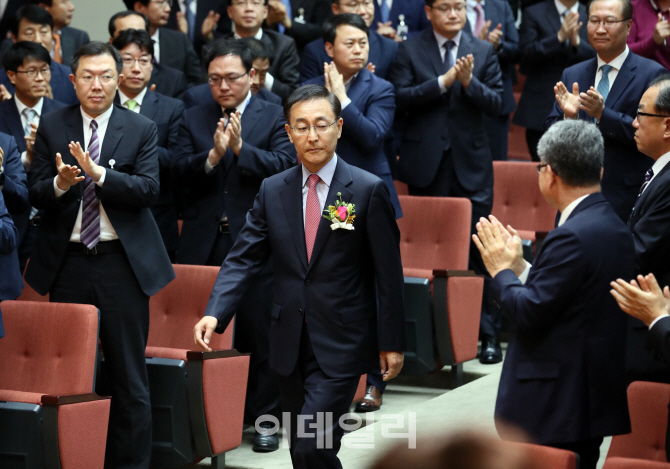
{"points": [[12, 77], [72, 78], [666, 130], [288, 131], [329, 49]]}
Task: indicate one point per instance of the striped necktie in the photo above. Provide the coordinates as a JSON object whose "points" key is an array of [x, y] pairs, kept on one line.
{"points": [[30, 115], [90, 218], [312, 215], [604, 84], [190, 19]]}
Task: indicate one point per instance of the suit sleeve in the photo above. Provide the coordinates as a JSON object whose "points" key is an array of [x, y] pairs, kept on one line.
{"points": [[164, 154], [510, 41], [15, 190], [141, 188], [309, 65], [651, 236], [659, 337], [8, 232], [370, 129], [384, 243], [265, 163], [42, 172], [486, 93], [556, 275], [556, 113], [288, 77], [246, 259], [402, 76]]}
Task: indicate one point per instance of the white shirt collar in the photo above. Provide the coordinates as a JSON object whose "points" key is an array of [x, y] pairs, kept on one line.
{"points": [[660, 164], [561, 8], [101, 119], [347, 85], [568, 210], [441, 40], [138, 99], [326, 173], [20, 106], [616, 63], [243, 105], [258, 35], [156, 37]]}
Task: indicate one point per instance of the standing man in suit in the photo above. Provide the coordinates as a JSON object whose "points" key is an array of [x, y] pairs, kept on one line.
{"points": [[607, 90], [98, 242], [168, 81], [224, 151], [171, 48], [247, 17], [300, 19], [201, 20], [388, 15], [562, 381], [8, 243], [551, 38], [382, 50], [66, 40], [492, 21], [136, 51], [337, 303], [446, 81]]}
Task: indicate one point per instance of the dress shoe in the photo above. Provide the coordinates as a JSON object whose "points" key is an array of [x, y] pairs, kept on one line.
{"points": [[264, 442], [491, 351], [372, 400]]}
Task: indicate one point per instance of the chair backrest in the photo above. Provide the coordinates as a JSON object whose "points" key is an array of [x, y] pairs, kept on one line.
{"points": [[517, 199], [435, 232], [648, 409], [549, 458], [48, 348], [630, 463], [401, 188], [175, 309], [29, 294]]}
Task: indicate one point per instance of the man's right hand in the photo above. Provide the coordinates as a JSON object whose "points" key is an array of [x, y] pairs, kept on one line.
{"points": [[30, 141], [449, 78], [202, 332], [568, 27], [221, 139], [569, 103], [662, 30], [68, 175], [4, 94]]}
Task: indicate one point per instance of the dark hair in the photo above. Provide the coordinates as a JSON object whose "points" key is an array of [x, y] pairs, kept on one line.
{"points": [[575, 151], [662, 103], [257, 48], [626, 8], [223, 47], [32, 13], [430, 3], [134, 36], [48, 3], [22, 50], [310, 93], [130, 4], [352, 19], [124, 14], [94, 48]]}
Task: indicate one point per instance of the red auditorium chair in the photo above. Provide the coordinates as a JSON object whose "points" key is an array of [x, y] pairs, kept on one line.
{"points": [[549, 458], [648, 408], [401, 188], [442, 298], [49, 415], [629, 463]]}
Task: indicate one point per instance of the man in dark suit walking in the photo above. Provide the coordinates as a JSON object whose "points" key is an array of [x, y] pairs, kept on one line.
{"points": [[224, 151], [337, 303], [562, 380], [98, 242]]}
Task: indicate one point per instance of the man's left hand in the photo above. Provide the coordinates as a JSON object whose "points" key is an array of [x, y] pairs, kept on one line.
{"points": [[334, 81], [464, 67], [277, 14], [495, 36], [209, 25], [235, 126], [85, 163], [391, 363], [500, 248], [592, 103], [642, 299]]}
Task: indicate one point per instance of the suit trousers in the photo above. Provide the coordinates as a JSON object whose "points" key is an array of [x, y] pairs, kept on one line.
{"points": [[532, 139], [588, 451], [108, 282], [446, 184], [321, 401], [497, 129]]}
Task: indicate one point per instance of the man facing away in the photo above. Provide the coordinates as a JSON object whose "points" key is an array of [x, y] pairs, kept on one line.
{"points": [[563, 381], [337, 302]]}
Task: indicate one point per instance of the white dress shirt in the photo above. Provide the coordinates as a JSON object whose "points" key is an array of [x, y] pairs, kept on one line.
{"points": [[441, 40], [157, 46], [107, 232], [123, 99], [38, 110], [616, 66], [562, 8], [658, 166], [241, 108], [326, 174]]}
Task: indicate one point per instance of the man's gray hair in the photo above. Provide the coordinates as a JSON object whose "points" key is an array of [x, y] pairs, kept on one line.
{"points": [[575, 151]]}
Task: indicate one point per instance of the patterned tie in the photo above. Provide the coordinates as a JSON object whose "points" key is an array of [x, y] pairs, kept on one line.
{"points": [[448, 60], [57, 56], [190, 19], [604, 85], [479, 21], [312, 215], [287, 4], [647, 177], [90, 219], [384, 11], [30, 115], [131, 104], [154, 60]]}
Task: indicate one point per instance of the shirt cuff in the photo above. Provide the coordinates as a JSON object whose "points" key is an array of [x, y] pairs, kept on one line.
{"points": [[208, 166], [657, 319], [102, 178], [57, 190], [269, 81], [26, 163], [524, 275], [345, 103], [443, 89]]}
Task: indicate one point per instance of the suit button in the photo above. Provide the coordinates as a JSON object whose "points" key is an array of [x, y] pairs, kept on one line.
{"points": [[308, 282], [300, 311]]}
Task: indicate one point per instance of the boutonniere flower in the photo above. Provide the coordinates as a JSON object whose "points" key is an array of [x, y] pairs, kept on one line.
{"points": [[341, 215]]}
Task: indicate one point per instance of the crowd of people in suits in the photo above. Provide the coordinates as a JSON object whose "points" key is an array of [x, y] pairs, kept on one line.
{"points": [[95, 163]]}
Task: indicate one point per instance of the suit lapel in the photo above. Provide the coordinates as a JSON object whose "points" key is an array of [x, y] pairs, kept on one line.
{"points": [[67, 42], [553, 18], [358, 86], [642, 199], [623, 79], [149, 105], [291, 197], [14, 121], [588, 80], [251, 116], [432, 49], [113, 136]]}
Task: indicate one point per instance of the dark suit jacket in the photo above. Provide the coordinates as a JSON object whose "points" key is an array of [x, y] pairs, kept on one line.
{"points": [[8, 16], [543, 59], [349, 319], [176, 51], [8, 244], [233, 183], [71, 40], [127, 193], [415, 15], [624, 165], [455, 119], [315, 12], [62, 87], [10, 119], [169, 81], [562, 380], [660, 337], [382, 53], [167, 114], [201, 94], [203, 7], [499, 12], [367, 123]]}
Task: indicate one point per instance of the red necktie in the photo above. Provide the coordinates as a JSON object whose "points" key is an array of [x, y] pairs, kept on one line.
{"points": [[312, 215], [56, 46]]}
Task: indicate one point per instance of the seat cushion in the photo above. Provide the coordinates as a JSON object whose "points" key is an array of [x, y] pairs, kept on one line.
{"points": [[21, 396]]}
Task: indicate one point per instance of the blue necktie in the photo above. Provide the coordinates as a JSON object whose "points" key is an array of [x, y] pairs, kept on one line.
{"points": [[190, 19], [384, 11], [448, 60], [286, 3], [604, 85]]}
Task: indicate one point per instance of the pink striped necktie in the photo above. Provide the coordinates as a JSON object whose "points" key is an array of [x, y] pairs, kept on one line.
{"points": [[90, 217], [479, 21], [312, 215]]}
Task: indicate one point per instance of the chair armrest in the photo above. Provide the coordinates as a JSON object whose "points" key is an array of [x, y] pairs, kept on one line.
{"points": [[455, 273], [198, 356], [55, 401]]}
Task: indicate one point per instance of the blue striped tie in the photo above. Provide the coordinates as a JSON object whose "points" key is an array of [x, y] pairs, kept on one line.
{"points": [[190, 19], [90, 218], [604, 85]]}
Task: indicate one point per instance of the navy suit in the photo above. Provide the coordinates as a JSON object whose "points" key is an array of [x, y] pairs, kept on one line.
{"points": [[62, 87], [367, 122], [201, 94], [169, 81], [562, 379], [659, 336], [203, 7], [8, 243], [71, 39], [330, 316], [176, 51], [624, 166], [415, 15], [382, 53]]}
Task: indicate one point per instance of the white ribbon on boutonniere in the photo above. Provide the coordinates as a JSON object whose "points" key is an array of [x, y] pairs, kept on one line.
{"points": [[340, 215]]}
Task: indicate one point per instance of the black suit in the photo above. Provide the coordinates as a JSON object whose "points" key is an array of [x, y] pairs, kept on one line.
{"points": [[71, 40], [123, 275], [169, 81], [315, 12], [201, 94], [203, 7], [659, 337], [8, 16], [331, 316], [176, 51], [8, 243]]}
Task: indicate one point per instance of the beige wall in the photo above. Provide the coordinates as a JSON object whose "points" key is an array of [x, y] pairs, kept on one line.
{"points": [[93, 15]]}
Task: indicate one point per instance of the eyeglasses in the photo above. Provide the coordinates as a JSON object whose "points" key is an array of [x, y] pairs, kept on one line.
{"points": [[607, 23], [104, 79], [163, 2], [254, 3], [230, 79], [455, 8], [143, 61], [303, 129], [32, 73], [640, 113], [352, 5], [540, 166]]}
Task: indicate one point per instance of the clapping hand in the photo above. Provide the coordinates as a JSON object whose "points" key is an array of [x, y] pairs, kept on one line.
{"points": [[484, 32], [235, 135], [30, 141], [386, 30], [182, 24], [662, 30], [209, 25], [495, 36], [569, 103], [68, 175], [85, 162], [500, 247], [4, 94], [642, 299], [592, 103], [334, 81], [277, 14], [464, 67], [371, 67], [570, 29]]}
